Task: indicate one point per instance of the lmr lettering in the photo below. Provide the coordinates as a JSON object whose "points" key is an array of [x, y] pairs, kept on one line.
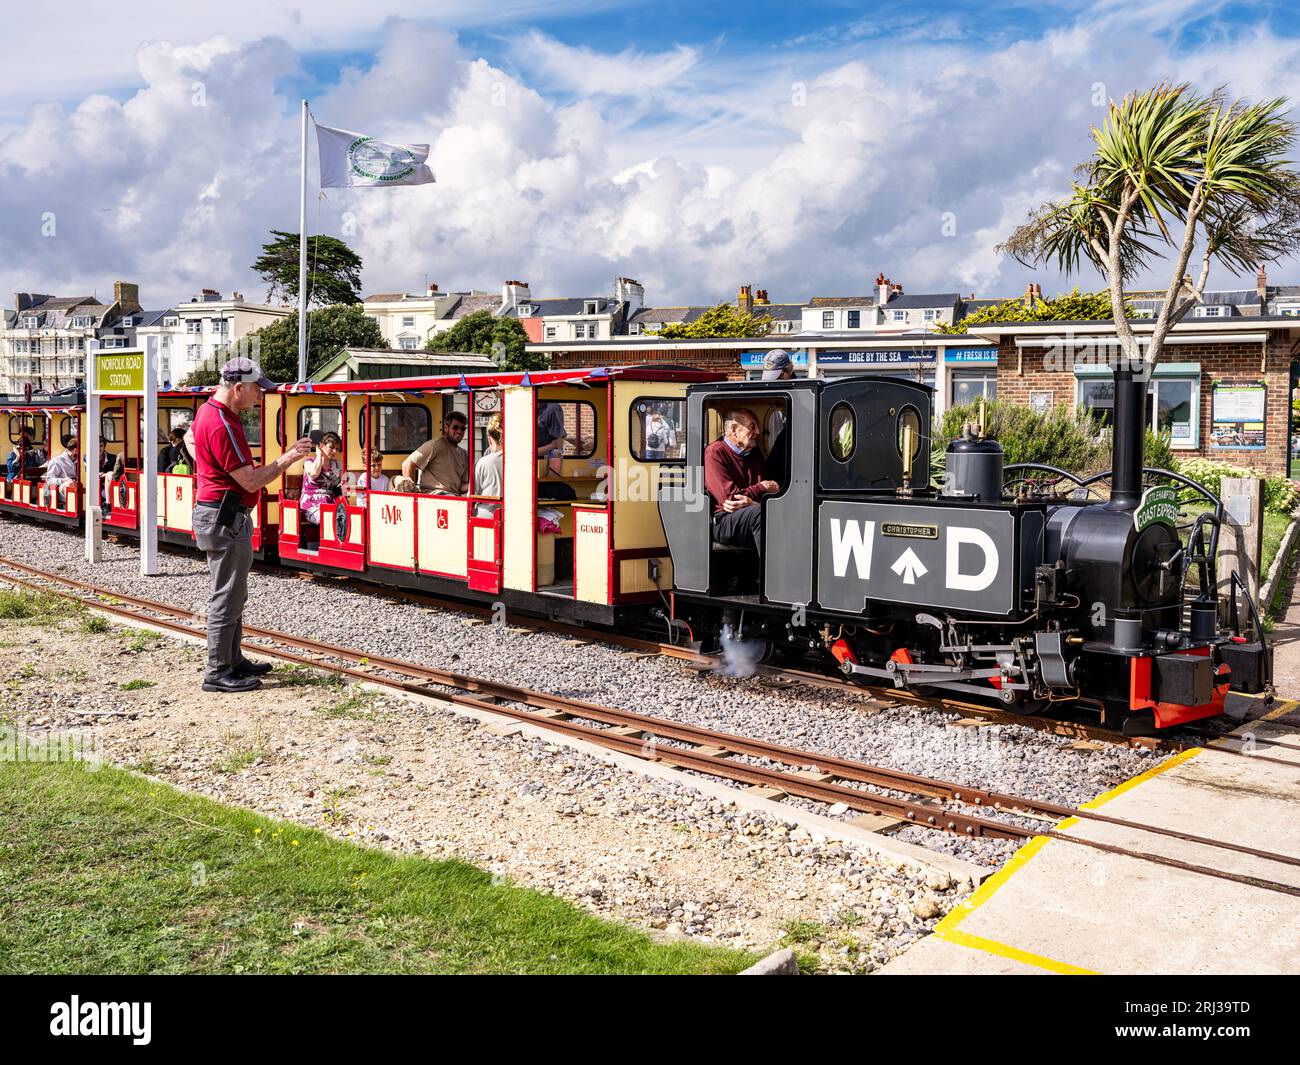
{"points": [[75, 1017]]}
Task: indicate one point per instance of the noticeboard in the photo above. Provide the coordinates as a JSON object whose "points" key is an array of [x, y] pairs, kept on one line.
{"points": [[1238, 415], [119, 373]]}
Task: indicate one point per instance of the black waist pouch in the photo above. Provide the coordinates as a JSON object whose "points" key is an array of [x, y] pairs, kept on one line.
{"points": [[230, 509]]}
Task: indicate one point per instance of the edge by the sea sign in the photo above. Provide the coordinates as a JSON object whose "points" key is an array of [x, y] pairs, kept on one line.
{"points": [[119, 373], [1159, 503]]}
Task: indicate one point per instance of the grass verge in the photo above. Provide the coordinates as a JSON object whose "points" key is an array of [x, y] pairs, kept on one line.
{"points": [[106, 872]]}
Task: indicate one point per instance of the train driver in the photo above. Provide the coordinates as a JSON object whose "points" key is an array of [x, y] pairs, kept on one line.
{"points": [[733, 476]]}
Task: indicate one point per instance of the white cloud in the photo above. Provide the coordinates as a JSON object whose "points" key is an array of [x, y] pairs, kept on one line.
{"points": [[715, 172], [627, 73]]}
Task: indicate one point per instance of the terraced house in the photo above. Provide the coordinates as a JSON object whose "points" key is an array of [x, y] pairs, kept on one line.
{"points": [[45, 339]]}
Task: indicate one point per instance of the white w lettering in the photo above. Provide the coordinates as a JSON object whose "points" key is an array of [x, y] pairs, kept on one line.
{"points": [[852, 538]]}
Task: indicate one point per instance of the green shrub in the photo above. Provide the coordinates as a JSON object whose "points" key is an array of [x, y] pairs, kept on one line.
{"points": [[1280, 495], [1057, 438], [1159, 451]]}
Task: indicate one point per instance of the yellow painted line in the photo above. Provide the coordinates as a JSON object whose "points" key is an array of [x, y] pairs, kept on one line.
{"points": [[947, 928], [1164, 767], [1002, 950], [1279, 710]]}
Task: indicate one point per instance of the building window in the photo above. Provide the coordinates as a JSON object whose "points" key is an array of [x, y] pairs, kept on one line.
{"points": [[931, 315], [855, 319], [115, 342], [192, 351], [408, 344], [828, 319], [967, 386], [171, 323], [220, 326], [900, 316], [634, 329], [579, 330], [408, 321], [128, 322], [550, 332], [1209, 312], [194, 325], [591, 307], [1173, 405]]}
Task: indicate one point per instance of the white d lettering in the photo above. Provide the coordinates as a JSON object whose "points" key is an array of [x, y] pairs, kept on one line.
{"points": [[977, 582]]}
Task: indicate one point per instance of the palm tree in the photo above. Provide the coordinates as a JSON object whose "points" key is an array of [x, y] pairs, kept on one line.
{"points": [[1167, 158]]}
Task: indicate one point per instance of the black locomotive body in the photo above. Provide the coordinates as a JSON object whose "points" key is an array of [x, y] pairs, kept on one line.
{"points": [[1024, 597]]}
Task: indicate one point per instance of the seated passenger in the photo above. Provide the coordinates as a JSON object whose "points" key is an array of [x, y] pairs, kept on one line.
{"points": [[175, 454], [733, 476], [374, 479], [63, 470], [441, 466], [322, 478], [488, 469], [25, 457]]}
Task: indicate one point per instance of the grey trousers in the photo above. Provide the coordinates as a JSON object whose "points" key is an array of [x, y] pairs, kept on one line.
{"points": [[230, 556]]}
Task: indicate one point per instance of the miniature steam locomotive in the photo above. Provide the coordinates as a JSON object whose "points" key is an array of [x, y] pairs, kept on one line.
{"points": [[1029, 597]]}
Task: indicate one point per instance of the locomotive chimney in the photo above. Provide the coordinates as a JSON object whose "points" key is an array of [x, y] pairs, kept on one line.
{"points": [[1128, 437]]}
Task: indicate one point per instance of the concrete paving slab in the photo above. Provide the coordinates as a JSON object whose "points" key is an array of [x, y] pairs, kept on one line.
{"points": [[1062, 907]]}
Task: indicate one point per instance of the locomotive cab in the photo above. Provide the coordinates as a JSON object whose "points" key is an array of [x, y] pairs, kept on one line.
{"points": [[820, 439]]}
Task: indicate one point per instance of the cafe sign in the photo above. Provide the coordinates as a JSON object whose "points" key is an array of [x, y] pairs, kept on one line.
{"points": [[119, 373]]}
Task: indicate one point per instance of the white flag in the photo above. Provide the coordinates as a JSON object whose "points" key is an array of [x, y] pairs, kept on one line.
{"points": [[348, 158]]}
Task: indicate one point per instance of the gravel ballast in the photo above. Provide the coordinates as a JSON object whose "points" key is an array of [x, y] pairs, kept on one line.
{"points": [[1006, 758], [413, 777]]}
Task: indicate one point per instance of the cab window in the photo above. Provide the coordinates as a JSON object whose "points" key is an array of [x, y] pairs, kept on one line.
{"points": [[658, 428]]}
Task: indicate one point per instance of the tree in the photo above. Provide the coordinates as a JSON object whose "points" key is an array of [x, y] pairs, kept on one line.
{"points": [[333, 269], [275, 346], [484, 333], [1177, 169], [1075, 306], [724, 320]]}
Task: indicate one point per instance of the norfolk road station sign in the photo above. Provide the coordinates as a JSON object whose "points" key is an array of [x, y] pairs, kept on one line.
{"points": [[119, 373]]}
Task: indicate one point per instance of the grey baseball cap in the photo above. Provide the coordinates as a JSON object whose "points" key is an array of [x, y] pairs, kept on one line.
{"points": [[245, 371], [777, 364]]}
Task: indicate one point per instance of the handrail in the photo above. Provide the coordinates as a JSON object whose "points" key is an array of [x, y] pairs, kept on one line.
{"points": [[1180, 478]]}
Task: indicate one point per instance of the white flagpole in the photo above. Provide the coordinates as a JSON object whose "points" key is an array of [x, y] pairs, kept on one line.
{"points": [[302, 256]]}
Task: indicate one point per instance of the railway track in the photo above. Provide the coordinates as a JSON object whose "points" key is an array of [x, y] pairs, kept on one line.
{"points": [[876, 696], [909, 798]]}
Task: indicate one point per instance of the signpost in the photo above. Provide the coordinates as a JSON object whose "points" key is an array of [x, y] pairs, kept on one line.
{"points": [[125, 374]]}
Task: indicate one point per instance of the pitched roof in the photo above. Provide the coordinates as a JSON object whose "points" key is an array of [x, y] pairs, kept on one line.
{"points": [[467, 305], [842, 301], [923, 299]]}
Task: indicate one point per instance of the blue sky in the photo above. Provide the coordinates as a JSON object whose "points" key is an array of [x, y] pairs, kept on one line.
{"points": [[799, 148]]}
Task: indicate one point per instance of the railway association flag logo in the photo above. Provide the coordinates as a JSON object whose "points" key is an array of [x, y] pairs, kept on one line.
{"points": [[354, 159]]}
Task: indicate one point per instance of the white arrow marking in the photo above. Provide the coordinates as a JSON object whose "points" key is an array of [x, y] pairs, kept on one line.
{"points": [[909, 567]]}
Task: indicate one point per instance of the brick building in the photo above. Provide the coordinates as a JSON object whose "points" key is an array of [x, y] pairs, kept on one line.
{"points": [[1222, 389]]}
